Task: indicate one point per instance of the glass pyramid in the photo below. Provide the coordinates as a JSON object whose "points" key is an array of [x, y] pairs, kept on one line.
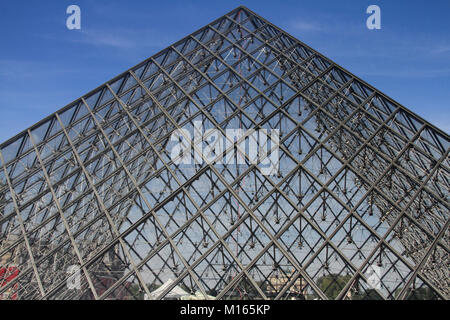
{"points": [[238, 163]]}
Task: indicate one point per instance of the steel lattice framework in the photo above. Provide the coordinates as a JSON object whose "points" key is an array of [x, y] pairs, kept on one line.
{"points": [[362, 183]]}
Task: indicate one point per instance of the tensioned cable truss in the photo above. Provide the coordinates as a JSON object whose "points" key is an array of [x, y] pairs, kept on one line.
{"points": [[357, 208]]}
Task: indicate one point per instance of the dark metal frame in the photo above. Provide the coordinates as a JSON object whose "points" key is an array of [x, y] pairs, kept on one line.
{"points": [[363, 181]]}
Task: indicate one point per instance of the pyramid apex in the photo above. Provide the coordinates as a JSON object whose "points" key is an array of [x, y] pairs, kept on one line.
{"points": [[242, 7]]}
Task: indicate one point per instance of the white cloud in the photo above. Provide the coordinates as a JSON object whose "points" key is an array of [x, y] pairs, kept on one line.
{"points": [[442, 49], [25, 69], [102, 38], [122, 38], [305, 26], [409, 73]]}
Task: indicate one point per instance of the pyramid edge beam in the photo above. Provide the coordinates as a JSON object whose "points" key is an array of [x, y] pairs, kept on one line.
{"points": [[405, 109], [87, 94]]}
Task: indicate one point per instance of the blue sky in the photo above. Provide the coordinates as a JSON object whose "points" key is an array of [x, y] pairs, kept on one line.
{"points": [[44, 66]]}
